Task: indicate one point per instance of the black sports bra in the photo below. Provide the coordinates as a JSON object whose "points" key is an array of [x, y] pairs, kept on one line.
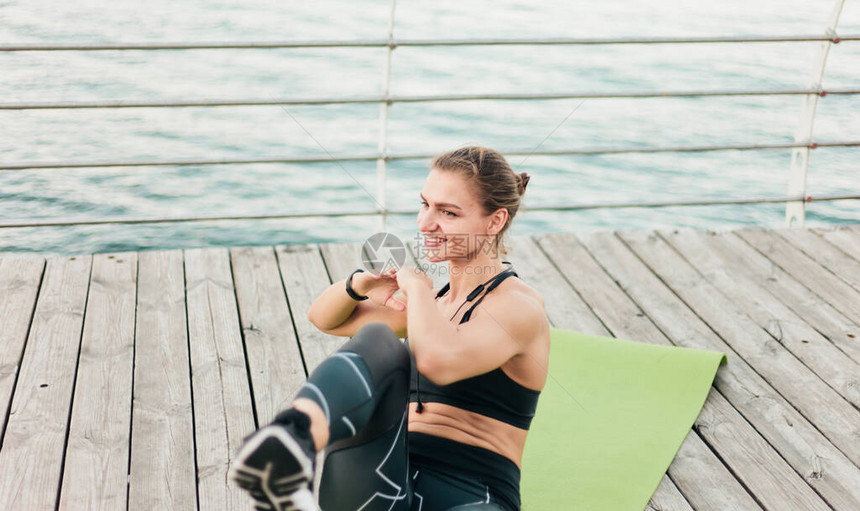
{"points": [[493, 394]]}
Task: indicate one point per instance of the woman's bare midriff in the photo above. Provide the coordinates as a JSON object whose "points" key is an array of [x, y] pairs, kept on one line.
{"points": [[470, 428]]}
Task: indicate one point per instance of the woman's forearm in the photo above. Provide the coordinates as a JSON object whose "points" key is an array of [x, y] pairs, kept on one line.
{"points": [[429, 333], [332, 307]]}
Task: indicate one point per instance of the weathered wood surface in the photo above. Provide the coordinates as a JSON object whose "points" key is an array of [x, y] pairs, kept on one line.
{"points": [[221, 393], [305, 277], [748, 263], [814, 350], [774, 417], [819, 403], [808, 272], [274, 360], [162, 470], [843, 237], [705, 479], [20, 278], [828, 255], [34, 442], [97, 453], [129, 380]]}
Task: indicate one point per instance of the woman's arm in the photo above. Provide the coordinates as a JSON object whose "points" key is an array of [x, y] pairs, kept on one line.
{"points": [[446, 352], [336, 313]]}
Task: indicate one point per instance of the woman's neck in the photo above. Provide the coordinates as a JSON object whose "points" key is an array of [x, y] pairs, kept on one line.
{"points": [[465, 275]]}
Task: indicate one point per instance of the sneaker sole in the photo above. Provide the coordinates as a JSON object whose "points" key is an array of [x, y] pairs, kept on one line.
{"points": [[290, 493]]}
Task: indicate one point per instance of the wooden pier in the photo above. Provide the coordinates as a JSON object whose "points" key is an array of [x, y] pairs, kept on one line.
{"points": [[128, 380]]}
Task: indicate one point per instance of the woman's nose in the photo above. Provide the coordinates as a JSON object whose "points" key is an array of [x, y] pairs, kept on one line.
{"points": [[425, 221]]}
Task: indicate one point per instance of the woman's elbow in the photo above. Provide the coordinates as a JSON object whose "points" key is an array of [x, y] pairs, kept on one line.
{"points": [[315, 319], [312, 317], [434, 369]]}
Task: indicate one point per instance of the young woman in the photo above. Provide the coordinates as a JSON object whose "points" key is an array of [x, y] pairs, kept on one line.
{"points": [[438, 422]]}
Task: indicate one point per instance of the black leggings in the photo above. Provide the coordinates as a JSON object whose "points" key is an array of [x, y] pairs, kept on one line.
{"points": [[364, 390]]}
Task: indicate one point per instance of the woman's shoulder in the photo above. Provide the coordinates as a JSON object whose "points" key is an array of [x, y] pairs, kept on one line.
{"points": [[518, 303], [528, 302], [521, 292], [530, 325]]}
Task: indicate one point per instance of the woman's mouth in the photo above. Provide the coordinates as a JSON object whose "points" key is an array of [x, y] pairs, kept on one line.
{"points": [[432, 241]]}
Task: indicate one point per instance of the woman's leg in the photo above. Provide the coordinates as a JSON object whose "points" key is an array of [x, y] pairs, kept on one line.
{"points": [[369, 470], [360, 395], [434, 490]]}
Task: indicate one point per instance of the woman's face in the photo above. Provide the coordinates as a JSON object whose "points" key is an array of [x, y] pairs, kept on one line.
{"points": [[451, 219]]}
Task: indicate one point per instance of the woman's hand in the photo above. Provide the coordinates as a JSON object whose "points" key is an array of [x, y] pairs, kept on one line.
{"points": [[408, 278], [380, 289]]}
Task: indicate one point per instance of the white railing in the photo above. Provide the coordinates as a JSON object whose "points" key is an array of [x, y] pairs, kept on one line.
{"points": [[795, 199], [795, 212]]}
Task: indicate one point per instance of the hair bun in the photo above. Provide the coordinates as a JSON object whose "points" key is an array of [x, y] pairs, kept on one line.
{"points": [[524, 180]]}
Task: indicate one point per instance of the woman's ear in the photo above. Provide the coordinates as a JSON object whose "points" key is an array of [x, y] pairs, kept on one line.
{"points": [[497, 221]]}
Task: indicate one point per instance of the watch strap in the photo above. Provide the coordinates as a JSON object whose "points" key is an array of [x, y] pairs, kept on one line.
{"points": [[350, 291]]}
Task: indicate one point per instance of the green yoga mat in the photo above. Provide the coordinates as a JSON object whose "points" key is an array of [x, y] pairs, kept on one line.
{"points": [[609, 421]]}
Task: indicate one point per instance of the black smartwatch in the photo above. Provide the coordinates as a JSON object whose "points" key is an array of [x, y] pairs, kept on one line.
{"points": [[351, 292]]}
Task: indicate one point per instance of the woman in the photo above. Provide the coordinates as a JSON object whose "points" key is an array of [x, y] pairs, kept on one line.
{"points": [[465, 389]]}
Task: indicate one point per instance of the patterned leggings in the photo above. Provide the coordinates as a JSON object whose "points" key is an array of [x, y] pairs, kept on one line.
{"points": [[364, 390]]}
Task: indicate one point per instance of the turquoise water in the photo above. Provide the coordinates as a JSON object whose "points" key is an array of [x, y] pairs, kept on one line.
{"points": [[256, 132]]}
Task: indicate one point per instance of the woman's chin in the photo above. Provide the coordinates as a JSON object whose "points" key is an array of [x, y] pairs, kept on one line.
{"points": [[441, 254], [432, 257]]}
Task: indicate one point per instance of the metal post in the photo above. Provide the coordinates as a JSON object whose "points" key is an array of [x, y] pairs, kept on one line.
{"points": [[796, 211], [381, 162]]}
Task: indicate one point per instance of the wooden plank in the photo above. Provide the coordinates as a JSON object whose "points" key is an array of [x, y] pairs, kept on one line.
{"points": [[162, 468], [755, 267], [829, 287], [847, 239], [822, 466], [710, 484], [341, 259], [538, 271], [819, 403], [696, 469], [830, 363], [35, 439], [19, 286], [223, 413], [667, 497], [96, 471], [826, 254], [565, 308], [305, 278], [274, 359]]}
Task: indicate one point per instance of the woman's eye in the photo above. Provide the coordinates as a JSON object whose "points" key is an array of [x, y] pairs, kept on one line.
{"points": [[446, 212]]}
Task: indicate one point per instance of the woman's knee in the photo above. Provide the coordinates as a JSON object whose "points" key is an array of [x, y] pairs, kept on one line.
{"points": [[388, 362], [377, 332], [380, 348]]}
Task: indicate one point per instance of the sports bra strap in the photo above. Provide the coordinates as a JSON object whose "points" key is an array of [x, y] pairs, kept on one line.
{"points": [[494, 285], [489, 285]]}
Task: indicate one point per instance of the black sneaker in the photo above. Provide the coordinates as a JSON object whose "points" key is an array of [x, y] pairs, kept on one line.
{"points": [[276, 465]]}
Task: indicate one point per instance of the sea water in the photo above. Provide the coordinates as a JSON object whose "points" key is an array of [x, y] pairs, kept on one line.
{"points": [[431, 127]]}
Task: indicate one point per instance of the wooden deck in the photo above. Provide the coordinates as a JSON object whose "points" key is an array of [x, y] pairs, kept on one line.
{"points": [[127, 380]]}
